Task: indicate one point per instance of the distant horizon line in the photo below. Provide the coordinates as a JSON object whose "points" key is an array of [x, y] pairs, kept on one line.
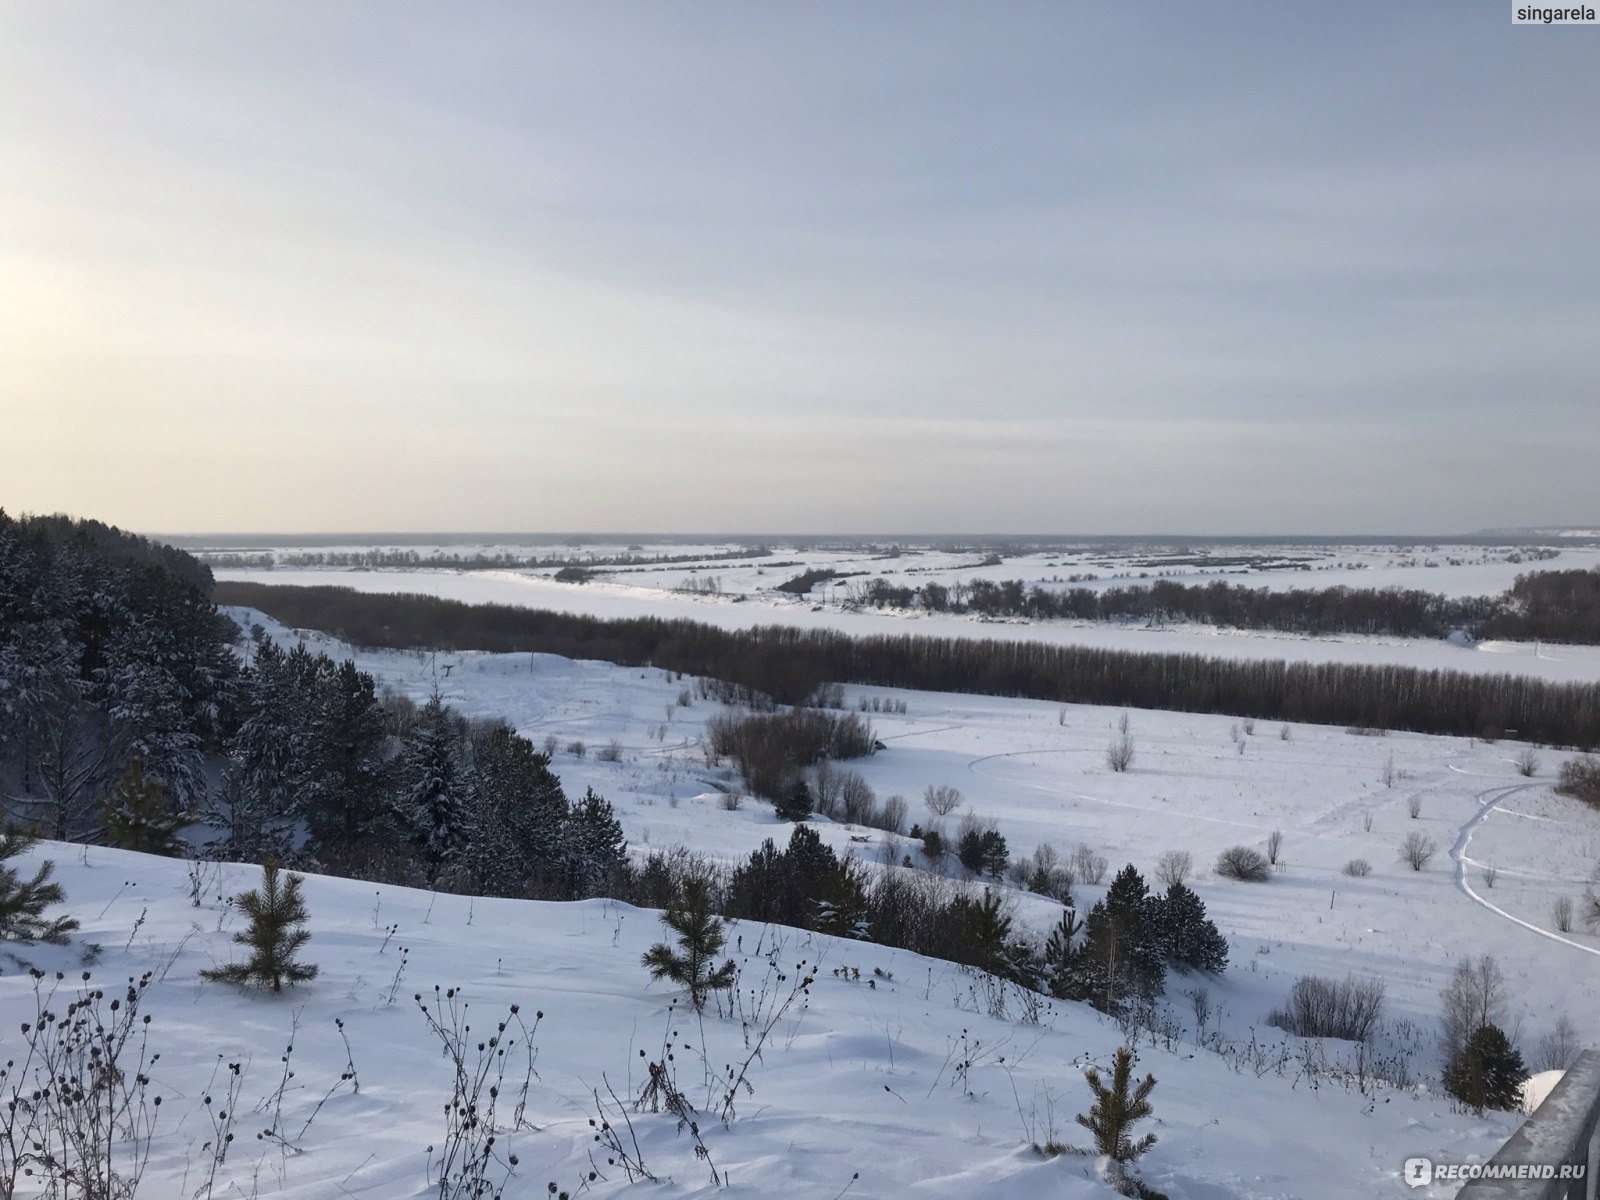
{"points": [[265, 539]]}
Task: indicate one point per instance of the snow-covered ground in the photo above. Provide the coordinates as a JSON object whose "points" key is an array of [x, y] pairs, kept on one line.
{"points": [[861, 1078], [859, 1091]]}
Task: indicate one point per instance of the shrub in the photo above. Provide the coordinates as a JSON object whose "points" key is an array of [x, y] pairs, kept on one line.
{"points": [[22, 902], [1319, 1007], [1244, 864], [1414, 806], [1562, 913], [611, 752], [275, 935], [1417, 849], [942, 800], [1580, 779], [577, 749], [1274, 846], [1119, 754], [1174, 866], [770, 748], [1559, 1047], [1527, 762], [1358, 868]]}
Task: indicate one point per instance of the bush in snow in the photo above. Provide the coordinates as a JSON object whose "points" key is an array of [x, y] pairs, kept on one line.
{"points": [[942, 800], [1417, 849], [1244, 864], [1174, 866], [1580, 779], [1319, 1007]]}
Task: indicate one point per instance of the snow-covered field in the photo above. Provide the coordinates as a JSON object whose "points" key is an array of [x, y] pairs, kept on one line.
{"points": [[747, 600]]}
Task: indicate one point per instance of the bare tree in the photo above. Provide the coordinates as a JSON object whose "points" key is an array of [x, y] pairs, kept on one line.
{"points": [[1527, 762], [1174, 866], [941, 799], [1414, 805], [1558, 1048], [1388, 774], [1474, 997], [1417, 849], [1274, 846]]}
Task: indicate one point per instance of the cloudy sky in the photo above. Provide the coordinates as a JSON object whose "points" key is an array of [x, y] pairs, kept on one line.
{"points": [[718, 266]]}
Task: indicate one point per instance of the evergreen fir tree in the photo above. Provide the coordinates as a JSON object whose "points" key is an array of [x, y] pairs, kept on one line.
{"points": [[1487, 1072], [700, 939], [1116, 1109], [277, 911], [139, 814], [518, 811], [435, 801], [1188, 940], [1120, 959], [795, 803], [1059, 962], [593, 846], [22, 902], [348, 777], [980, 930]]}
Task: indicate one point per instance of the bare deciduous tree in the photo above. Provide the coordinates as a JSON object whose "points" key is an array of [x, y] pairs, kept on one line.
{"points": [[1174, 866]]}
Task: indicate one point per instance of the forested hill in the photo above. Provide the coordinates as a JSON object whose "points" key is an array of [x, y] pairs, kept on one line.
{"points": [[110, 649]]}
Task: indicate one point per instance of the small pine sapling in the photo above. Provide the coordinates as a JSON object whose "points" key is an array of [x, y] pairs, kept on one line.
{"points": [[1116, 1108], [22, 902], [277, 912], [700, 939]]}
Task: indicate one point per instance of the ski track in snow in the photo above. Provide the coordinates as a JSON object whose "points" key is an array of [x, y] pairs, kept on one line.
{"points": [[1488, 800]]}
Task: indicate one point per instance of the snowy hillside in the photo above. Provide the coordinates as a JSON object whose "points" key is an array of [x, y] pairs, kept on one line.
{"points": [[896, 1083], [891, 1074]]}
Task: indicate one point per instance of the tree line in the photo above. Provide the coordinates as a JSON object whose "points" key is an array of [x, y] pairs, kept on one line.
{"points": [[790, 664], [1559, 606]]}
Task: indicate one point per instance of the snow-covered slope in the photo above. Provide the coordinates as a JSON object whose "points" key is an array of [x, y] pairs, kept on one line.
{"points": [[888, 1085]]}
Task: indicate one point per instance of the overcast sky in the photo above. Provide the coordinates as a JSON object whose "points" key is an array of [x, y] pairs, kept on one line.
{"points": [[775, 267]]}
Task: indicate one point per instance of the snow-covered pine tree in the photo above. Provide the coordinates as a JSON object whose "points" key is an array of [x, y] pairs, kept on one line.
{"points": [[1120, 959], [276, 933], [795, 802], [518, 813], [349, 772], [593, 848], [1058, 964], [23, 901], [1189, 941], [436, 793], [691, 964]]}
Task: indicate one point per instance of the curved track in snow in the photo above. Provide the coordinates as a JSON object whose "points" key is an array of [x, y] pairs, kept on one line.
{"points": [[1488, 800]]}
